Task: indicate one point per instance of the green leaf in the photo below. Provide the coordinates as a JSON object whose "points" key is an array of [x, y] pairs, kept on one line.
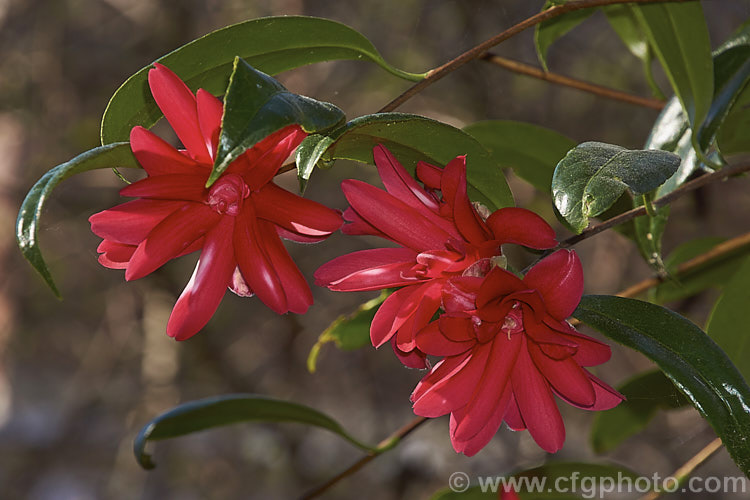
{"points": [[348, 331], [256, 106], [646, 394], [625, 23], [694, 362], [547, 32], [594, 175], [410, 138], [27, 225], [270, 44], [712, 273], [541, 482], [729, 322], [679, 36], [732, 137], [229, 409], [531, 151]]}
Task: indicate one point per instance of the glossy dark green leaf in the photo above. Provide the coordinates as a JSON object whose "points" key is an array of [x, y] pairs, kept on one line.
{"points": [[594, 175], [256, 106], [27, 225], [694, 362], [729, 323], [732, 137], [410, 138], [646, 394], [540, 482], [218, 411], [549, 31], [531, 151], [270, 44], [679, 36], [714, 273], [623, 20], [349, 331]]}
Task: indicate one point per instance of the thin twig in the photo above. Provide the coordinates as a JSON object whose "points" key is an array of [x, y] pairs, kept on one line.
{"points": [[478, 51], [688, 467], [528, 70], [659, 202], [385, 445]]}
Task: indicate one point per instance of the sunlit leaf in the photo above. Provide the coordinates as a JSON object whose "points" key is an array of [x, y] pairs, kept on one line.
{"points": [[679, 36], [410, 138], [349, 331], [255, 106], [270, 44], [531, 151], [594, 175], [646, 394], [218, 411], [729, 323], [27, 225], [689, 357]]}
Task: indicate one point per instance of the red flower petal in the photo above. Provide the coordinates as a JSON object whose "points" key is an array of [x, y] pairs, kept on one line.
{"points": [[455, 390], [497, 285], [294, 213], [399, 183], [260, 163], [298, 295], [396, 219], [179, 106], [356, 225], [170, 238], [589, 351], [513, 418], [207, 286], [411, 359], [131, 222], [115, 255], [566, 377], [429, 303], [387, 320], [432, 341], [367, 269], [453, 186], [537, 404], [473, 445], [459, 294], [490, 396], [446, 367], [255, 263], [522, 227], [210, 111], [182, 187], [158, 157], [559, 278], [606, 397], [430, 175]]}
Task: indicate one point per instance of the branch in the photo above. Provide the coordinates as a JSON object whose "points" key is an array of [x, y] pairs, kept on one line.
{"points": [[528, 70], [685, 470], [385, 445], [478, 51], [701, 181]]}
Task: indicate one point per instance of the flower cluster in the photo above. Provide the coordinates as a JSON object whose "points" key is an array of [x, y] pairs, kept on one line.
{"points": [[236, 223], [505, 344]]}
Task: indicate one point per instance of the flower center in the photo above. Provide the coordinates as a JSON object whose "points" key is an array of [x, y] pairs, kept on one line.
{"points": [[226, 195], [513, 321]]}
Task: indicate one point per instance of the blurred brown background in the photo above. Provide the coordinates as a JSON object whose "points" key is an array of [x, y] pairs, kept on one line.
{"points": [[79, 378]]}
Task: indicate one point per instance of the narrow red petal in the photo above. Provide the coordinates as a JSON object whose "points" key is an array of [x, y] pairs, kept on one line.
{"points": [[170, 238], [178, 104], [566, 377], [559, 278], [260, 163], [537, 404], [453, 186], [254, 262], [432, 341], [367, 269], [401, 223], [512, 417], [411, 359], [490, 395], [430, 175], [115, 255], [356, 225], [182, 187], [157, 157], [522, 227], [429, 303], [298, 295], [474, 444], [210, 110], [399, 183], [386, 321], [589, 351], [606, 397], [444, 368], [294, 213], [131, 222], [207, 286]]}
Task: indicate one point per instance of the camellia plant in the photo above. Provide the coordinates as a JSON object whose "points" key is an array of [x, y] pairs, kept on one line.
{"points": [[497, 338]]}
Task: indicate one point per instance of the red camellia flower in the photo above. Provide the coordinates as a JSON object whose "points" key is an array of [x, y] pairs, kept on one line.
{"points": [[439, 237], [236, 223], [507, 350]]}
